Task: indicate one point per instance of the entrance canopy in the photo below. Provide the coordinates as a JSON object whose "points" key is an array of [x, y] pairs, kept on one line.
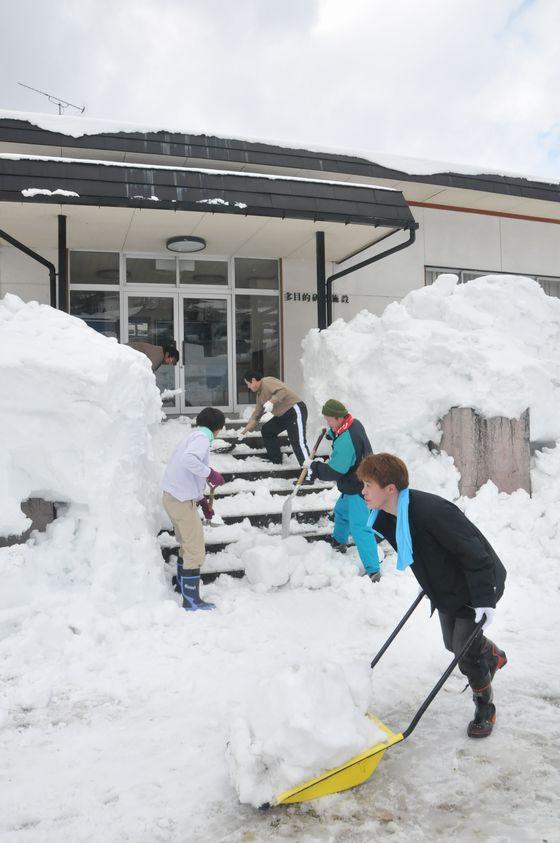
{"points": [[138, 208]]}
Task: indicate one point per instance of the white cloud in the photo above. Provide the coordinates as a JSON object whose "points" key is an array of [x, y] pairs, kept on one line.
{"points": [[471, 82]]}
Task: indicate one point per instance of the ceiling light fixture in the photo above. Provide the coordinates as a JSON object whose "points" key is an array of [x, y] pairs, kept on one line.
{"points": [[186, 243]]}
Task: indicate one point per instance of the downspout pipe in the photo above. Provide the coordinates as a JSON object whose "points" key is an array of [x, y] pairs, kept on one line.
{"points": [[62, 265], [30, 253], [380, 256]]}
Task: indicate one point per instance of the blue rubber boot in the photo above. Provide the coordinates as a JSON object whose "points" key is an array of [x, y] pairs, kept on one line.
{"points": [[189, 580]]}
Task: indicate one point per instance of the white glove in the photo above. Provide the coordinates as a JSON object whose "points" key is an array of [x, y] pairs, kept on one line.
{"points": [[484, 610], [307, 462], [241, 434], [267, 406]]}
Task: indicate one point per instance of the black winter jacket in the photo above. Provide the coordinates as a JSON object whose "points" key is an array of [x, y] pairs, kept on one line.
{"points": [[453, 562]]}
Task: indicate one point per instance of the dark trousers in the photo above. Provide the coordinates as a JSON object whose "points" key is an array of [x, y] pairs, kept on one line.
{"points": [[473, 665], [293, 422]]}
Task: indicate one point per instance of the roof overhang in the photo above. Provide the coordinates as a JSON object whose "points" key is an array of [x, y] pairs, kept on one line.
{"points": [[235, 212], [450, 185]]}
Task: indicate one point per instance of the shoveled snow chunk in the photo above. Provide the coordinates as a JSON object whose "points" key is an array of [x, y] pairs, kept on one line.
{"points": [[304, 721]]}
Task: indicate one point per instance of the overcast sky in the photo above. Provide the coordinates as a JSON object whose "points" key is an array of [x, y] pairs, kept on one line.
{"points": [[466, 81]]}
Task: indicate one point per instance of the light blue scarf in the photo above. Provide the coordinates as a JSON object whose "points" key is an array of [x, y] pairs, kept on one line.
{"points": [[207, 432], [404, 540]]}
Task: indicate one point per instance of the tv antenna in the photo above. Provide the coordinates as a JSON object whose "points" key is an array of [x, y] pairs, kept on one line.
{"points": [[62, 104]]}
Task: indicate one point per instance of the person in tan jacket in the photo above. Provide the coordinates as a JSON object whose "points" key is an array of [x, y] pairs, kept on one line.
{"points": [[289, 413], [157, 354]]}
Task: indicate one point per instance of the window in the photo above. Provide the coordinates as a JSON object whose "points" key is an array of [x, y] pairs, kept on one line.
{"points": [[94, 268], [203, 272], [256, 274], [99, 309], [550, 285], [151, 271]]}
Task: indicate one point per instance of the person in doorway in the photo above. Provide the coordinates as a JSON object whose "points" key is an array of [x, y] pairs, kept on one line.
{"points": [[184, 480], [349, 445], [454, 564], [289, 413], [157, 354]]}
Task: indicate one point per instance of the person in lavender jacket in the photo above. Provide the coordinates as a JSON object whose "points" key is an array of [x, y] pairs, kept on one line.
{"points": [[184, 480]]}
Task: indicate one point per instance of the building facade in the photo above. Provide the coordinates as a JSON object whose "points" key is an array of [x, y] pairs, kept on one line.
{"points": [[216, 245]]}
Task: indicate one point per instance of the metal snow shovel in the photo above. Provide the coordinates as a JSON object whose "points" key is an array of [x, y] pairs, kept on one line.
{"points": [[358, 769], [288, 503]]}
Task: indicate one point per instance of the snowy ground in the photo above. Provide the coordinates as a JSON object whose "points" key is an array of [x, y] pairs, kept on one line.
{"points": [[121, 735]]}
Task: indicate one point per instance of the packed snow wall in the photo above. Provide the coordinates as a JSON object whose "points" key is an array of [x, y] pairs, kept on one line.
{"points": [[491, 344], [77, 413]]}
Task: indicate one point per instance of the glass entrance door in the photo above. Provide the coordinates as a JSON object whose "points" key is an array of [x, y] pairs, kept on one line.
{"points": [[152, 321], [206, 357]]}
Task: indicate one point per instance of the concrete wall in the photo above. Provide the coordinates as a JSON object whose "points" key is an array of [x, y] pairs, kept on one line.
{"points": [[483, 449]]}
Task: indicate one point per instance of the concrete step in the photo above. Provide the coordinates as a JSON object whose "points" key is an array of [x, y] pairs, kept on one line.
{"points": [[253, 440], [311, 536], [260, 473], [303, 490], [263, 519]]}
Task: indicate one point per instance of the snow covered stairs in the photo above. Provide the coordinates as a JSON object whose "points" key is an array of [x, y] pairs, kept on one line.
{"points": [[255, 490], [254, 493]]}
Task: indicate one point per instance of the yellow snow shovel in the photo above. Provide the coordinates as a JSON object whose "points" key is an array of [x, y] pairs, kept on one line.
{"points": [[358, 769], [288, 503]]}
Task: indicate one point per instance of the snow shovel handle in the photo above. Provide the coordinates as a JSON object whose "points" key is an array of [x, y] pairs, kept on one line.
{"points": [[304, 470], [437, 688], [397, 629]]}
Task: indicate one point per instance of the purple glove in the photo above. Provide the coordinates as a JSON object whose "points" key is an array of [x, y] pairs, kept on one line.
{"points": [[215, 478], [207, 510]]}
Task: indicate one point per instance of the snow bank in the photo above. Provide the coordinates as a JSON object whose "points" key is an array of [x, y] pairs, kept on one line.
{"points": [[305, 720], [490, 344], [77, 413]]}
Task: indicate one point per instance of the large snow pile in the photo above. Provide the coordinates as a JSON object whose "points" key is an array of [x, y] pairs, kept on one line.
{"points": [[307, 719], [77, 414], [490, 344]]}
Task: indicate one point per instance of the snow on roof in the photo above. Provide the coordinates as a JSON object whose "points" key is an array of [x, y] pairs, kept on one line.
{"points": [[80, 126], [13, 156]]}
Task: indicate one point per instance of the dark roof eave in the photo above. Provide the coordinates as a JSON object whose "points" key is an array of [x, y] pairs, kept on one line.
{"points": [[222, 150], [100, 184]]}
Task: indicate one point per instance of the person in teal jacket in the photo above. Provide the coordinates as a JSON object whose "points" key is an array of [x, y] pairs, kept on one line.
{"points": [[350, 445]]}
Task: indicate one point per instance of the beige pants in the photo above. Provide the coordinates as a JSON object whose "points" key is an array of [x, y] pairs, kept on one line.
{"points": [[188, 529]]}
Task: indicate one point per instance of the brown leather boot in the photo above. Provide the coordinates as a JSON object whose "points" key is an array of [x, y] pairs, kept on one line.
{"points": [[484, 713]]}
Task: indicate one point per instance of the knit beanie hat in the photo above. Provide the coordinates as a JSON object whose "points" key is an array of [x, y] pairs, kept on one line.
{"points": [[334, 408]]}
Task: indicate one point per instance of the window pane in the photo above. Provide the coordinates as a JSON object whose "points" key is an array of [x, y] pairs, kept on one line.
{"points": [[150, 271], [256, 274], [257, 331], [203, 272], [205, 352], [99, 308], [94, 268], [150, 319]]}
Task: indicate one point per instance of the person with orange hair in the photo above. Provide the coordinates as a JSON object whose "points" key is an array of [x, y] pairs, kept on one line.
{"points": [[454, 564]]}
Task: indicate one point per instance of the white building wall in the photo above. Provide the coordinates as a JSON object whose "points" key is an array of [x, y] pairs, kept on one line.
{"points": [[25, 277], [531, 247]]}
